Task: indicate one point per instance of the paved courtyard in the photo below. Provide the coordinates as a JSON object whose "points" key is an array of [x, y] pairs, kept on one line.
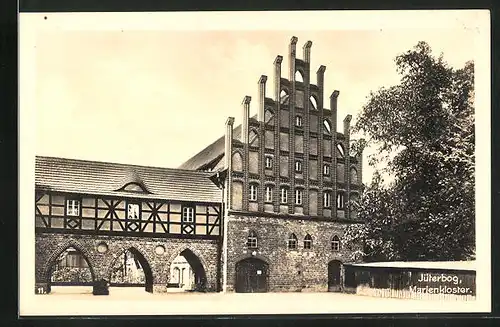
{"points": [[132, 301]]}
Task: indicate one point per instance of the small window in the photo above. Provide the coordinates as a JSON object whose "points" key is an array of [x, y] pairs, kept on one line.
{"points": [[269, 162], [327, 126], [292, 241], [252, 240], [73, 207], [298, 166], [284, 195], [340, 201], [298, 196], [188, 214], [336, 243], [133, 211], [298, 121], [326, 170], [327, 200], [269, 194], [308, 242], [253, 192]]}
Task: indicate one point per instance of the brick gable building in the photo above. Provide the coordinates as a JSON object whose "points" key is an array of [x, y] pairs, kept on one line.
{"points": [[263, 208]]}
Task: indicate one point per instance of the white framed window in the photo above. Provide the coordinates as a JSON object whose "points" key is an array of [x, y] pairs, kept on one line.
{"points": [[326, 170], [298, 121], [253, 192], [340, 201], [284, 195], [269, 162], [298, 166], [269, 194], [327, 200], [298, 196], [335, 243], [133, 211], [252, 240], [73, 207], [188, 214]]}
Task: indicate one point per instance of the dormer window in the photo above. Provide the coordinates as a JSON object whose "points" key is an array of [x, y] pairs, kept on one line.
{"points": [[269, 162], [298, 121], [133, 211], [73, 207], [298, 166]]}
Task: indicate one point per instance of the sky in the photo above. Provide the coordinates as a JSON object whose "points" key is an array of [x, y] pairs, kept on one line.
{"points": [[156, 97]]}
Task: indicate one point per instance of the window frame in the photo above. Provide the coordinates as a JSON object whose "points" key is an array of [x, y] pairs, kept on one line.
{"points": [[78, 207], [340, 201], [298, 121], [133, 204], [326, 170], [298, 196], [253, 192], [335, 243], [308, 240], [269, 194], [283, 194], [327, 199], [268, 159], [186, 218], [292, 242], [298, 166], [252, 240]]}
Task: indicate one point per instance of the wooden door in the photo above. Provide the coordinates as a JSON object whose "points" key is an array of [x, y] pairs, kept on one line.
{"points": [[334, 276], [251, 276]]}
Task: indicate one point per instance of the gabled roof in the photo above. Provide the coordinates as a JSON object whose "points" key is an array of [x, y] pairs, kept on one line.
{"points": [[104, 178]]}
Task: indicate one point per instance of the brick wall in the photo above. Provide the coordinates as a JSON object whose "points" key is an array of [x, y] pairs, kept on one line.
{"points": [[289, 270], [50, 245]]}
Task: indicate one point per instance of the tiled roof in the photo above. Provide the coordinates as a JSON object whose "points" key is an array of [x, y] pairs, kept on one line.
{"points": [[104, 178]]}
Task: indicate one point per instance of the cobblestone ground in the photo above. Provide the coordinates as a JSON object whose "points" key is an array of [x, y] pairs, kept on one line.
{"points": [[131, 301]]}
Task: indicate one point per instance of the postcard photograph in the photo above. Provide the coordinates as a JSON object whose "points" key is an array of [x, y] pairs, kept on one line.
{"points": [[333, 162]]}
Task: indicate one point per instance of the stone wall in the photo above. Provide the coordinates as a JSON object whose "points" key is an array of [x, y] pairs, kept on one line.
{"points": [[289, 270], [159, 253]]}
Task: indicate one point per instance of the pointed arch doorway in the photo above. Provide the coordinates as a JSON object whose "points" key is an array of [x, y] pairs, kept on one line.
{"points": [[187, 273], [131, 269]]}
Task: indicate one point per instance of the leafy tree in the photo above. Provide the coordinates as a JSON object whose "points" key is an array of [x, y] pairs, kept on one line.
{"points": [[423, 131]]}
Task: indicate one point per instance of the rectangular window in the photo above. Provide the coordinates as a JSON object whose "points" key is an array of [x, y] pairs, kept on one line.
{"points": [[269, 162], [340, 201], [269, 194], [326, 170], [327, 200], [335, 245], [253, 192], [73, 207], [298, 197], [298, 121], [187, 214], [284, 195], [298, 166], [133, 211]]}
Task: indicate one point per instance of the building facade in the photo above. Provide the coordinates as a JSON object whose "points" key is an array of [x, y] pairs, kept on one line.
{"points": [[263, 208]]}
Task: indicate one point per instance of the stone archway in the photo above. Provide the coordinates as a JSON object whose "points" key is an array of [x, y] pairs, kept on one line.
{"points": [[197, 266], [67, 277], [134, 262], [252, 276]]}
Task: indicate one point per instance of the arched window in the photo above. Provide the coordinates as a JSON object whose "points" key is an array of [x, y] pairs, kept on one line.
{"points": [[252, 240], [313, 103], [284, 97], [354, 176], [340, 150], [299, 77], [327, 126], [340, 201], [253, 192], [292, 241], [308, 242], [335, 243], [283, 195], [252, 136], [269, 194], [327, 200], [268, 116]]}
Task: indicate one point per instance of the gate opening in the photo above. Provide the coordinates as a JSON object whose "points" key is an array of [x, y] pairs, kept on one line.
{"points": [[187, 273], [71, 273], [334, 276], [131, 269], [252, 276]]}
